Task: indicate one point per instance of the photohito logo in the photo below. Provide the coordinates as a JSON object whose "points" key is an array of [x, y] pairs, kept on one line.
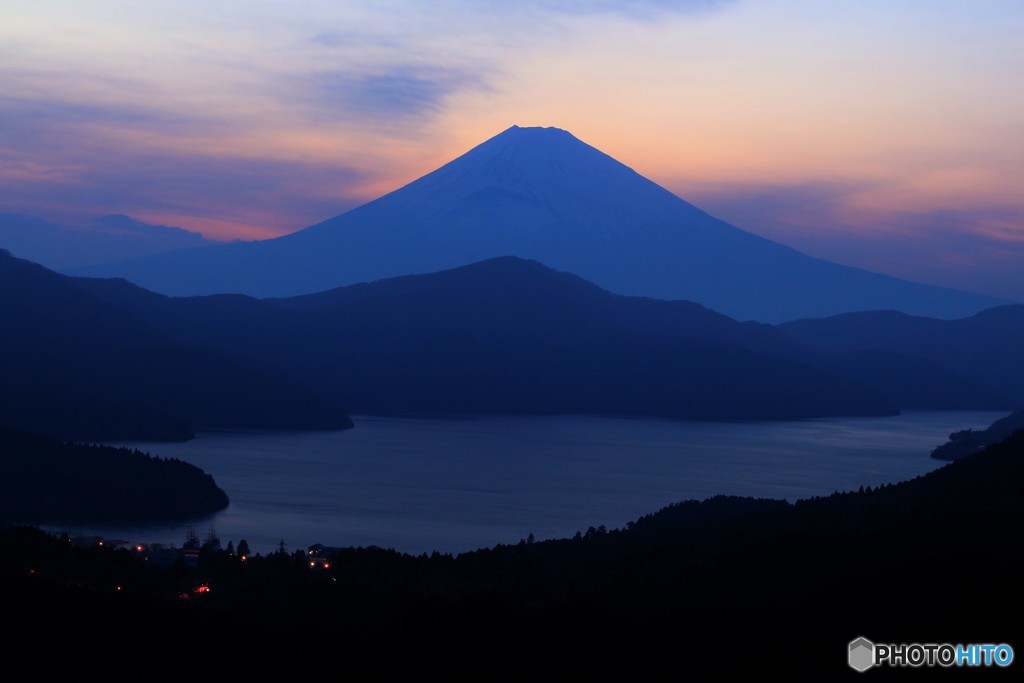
{"points": [[863, 654]]}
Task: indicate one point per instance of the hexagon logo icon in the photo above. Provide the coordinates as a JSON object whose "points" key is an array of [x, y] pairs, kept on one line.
{"points": [[862, 654]]}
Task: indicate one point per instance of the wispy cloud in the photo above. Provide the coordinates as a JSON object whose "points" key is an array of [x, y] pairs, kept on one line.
{"points": [[397, 93], [261, 197], [644, 9], [30, 123]]}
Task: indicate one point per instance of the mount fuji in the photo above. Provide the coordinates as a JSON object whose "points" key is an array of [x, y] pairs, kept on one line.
{"points": [[542, 194]]}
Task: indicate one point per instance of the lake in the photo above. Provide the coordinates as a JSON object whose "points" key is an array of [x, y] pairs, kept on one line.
{"points": [[453, 485]]}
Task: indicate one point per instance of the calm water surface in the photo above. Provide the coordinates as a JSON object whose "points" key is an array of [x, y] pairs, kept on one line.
{"points": [[453, 485]]}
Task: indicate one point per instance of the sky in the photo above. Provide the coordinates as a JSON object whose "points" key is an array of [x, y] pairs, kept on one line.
{"points": [[883, 135]]}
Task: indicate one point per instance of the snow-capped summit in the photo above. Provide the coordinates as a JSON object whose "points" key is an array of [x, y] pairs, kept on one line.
{"points": [[542, 194]]}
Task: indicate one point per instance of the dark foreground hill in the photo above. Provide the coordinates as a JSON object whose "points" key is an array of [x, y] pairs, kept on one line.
{"points": [[699, 588], [79, 368]]}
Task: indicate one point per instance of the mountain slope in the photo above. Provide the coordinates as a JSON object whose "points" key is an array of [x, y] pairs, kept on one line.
{"points": [[501, 315], [509, 336], [542, 194], [985, 347], [77, 367]]}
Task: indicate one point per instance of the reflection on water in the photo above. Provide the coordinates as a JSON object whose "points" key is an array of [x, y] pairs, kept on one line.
{"points": [[453, 485]]}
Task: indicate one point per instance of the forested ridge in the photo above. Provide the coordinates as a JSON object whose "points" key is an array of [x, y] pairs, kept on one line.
{"points": [[47, 480], [698, 585]]}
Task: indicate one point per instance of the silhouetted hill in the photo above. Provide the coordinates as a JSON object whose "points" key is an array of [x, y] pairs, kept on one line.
{"points": [[905, 563], [968, 441], [542, 194], [45, 480], [985, 348], [509, 336], [77, 367]]}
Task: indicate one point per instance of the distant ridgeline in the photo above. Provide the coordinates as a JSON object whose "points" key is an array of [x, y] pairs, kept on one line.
{"points": [[968, 441], [511, 336], [45, 480], [102, 360]]}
